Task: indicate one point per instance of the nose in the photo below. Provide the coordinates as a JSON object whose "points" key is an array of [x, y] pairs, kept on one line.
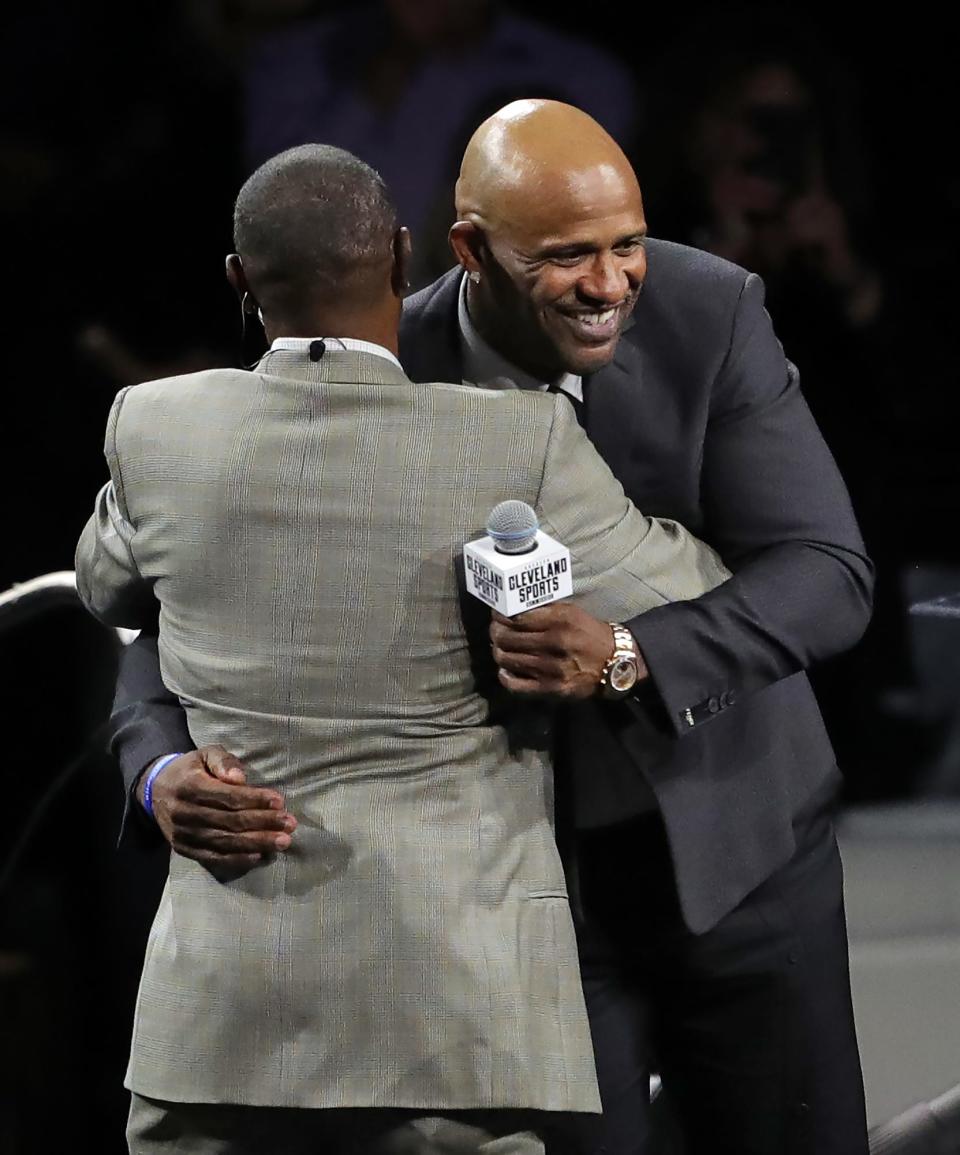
{"points": [[605, 279]]}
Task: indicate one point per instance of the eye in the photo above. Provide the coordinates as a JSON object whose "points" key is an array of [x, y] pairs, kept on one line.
{"points": [[628, 248], [566, 261]]}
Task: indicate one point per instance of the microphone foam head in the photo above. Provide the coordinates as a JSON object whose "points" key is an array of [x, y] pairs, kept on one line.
{"points": [[513, 526]]}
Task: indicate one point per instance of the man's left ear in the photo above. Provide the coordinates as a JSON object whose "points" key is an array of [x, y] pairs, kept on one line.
{"points": [[238, 282], [402, 256]]}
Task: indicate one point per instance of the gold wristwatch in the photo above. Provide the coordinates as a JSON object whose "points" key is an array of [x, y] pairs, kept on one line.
{"points": [[622, 669]]}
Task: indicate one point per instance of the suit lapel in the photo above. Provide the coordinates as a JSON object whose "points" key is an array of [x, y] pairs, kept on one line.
{"points": [[613, 406], [430, 332], [430, 351]]}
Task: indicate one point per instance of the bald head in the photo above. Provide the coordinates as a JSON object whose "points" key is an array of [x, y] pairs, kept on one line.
{"points": [[315, 226], [551, 231], [535, 158]]}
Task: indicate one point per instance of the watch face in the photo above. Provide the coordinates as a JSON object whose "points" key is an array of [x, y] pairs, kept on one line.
{"points": [[623, 675]]}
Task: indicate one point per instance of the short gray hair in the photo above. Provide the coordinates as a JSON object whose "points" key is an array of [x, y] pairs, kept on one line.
{"points": [[311, 225]]}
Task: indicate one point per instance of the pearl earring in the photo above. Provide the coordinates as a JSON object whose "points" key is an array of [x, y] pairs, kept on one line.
{"points": [[475, 277]]}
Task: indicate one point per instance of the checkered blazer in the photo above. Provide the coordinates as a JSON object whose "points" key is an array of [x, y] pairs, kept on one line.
{"points": [[301, 526]]}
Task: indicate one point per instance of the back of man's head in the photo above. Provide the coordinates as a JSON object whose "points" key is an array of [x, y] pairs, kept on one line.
{"points": [[315, 229]]}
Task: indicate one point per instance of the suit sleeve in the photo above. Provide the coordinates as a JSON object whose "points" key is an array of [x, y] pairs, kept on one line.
{"points": [[623, 562], [778, 512], [108, 580], [146, 720]]}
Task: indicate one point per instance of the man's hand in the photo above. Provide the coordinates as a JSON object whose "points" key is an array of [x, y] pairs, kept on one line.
{"points": [[558, 650], [206, 811]]}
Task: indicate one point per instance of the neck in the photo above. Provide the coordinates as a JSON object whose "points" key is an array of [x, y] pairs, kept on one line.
{"points": [[376, 331], [500, 341]]}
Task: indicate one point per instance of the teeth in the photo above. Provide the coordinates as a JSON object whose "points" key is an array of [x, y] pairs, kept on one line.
{"points": [[596, 318]]}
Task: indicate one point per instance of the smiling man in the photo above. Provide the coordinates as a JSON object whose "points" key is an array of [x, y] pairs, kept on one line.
{"points": [[711, 925], [564, 267]]}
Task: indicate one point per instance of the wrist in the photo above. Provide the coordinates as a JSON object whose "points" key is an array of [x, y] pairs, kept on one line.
{"points": [[624, 668], [149, 777]]}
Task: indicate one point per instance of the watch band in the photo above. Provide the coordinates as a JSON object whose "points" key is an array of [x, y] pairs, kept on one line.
{"points": [[623, 658]]}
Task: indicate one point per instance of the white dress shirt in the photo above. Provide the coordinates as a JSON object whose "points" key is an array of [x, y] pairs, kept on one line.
{"points": [[304, 343]]}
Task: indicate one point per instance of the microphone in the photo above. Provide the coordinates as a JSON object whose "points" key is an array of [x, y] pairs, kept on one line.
{"points": [[513, 527], [517, 566]]}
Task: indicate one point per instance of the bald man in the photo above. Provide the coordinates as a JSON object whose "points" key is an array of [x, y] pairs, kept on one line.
{"points": [[711, 926]]}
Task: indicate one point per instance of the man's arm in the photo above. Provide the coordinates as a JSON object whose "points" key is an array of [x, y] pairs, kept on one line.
{"points": [[776, 507], [201, 803], [146, 723], [109, 581], [623, 563]]}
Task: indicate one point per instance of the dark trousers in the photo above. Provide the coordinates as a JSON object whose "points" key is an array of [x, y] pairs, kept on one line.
{"points": [[749, 1025]]}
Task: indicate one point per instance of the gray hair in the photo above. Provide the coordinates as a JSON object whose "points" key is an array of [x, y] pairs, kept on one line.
{"points": [[313, 224]]}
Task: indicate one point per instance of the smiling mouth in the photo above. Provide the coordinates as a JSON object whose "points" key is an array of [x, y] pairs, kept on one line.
{"points": [[594, 327]]}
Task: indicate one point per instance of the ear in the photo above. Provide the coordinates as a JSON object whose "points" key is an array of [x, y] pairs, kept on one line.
{"points": [[467, 240], [238, 282], [402, 256]]}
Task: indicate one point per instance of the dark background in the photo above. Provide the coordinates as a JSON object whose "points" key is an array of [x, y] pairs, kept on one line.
{"points": [[121, 149]]}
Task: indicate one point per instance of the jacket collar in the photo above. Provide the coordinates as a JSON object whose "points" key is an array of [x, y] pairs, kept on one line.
{"points": [[430, 332], [336, 366], [430, 345]]}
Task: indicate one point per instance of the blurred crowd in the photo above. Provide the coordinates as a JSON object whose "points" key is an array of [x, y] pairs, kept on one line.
{"points": [[813, 154]]}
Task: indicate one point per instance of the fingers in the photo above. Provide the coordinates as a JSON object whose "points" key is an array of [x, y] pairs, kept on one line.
{"points": [[220, 837], [534, 621], [549, 629], [528, 674], [207, 812], [545, 617], [566, 688], [529, 665], [188, 816], [552, 632], [556, 650], [518, 684], [544, 630], [223, 765], [217, 795], [213, 777], [510, 641], [209, 844]]}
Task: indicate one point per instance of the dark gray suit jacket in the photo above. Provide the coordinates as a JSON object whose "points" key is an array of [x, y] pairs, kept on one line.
{"points": [[701, 418]]}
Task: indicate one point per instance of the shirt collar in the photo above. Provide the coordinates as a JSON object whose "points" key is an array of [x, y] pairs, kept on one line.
{"points": [[484, 366], [302, 345]]}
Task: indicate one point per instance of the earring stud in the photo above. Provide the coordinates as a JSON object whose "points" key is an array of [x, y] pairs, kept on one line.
{"points": [[475, 277]]}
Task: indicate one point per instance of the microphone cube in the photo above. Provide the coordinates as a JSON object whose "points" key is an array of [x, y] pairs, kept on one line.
{"points": [[514, 582]]}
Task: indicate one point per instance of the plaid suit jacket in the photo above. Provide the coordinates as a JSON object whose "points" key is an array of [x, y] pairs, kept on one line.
{"points": [[301, 526]]}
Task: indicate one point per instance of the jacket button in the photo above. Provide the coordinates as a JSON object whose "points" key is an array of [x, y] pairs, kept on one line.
{"points": [[731, 697], [713, 705]]}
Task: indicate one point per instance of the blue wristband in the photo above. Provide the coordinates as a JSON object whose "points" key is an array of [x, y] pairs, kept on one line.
{"points": [[160, 764]]}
